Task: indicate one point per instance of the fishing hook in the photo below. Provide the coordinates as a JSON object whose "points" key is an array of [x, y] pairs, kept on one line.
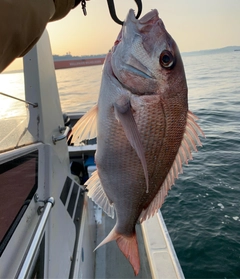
{"points": [[112, 10]]}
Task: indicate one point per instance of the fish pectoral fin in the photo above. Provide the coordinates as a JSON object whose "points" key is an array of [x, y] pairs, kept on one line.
{"points": [[189, 143], [98, 195], [124, 114], [86, 127], [128, 246]]}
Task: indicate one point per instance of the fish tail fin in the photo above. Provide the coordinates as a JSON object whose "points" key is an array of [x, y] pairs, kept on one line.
{"points": [[128, 246]]}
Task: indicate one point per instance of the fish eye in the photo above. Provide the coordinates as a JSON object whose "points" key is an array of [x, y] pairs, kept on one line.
{"points": [[166, 59]]}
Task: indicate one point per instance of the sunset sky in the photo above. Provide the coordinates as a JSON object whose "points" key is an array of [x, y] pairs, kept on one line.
{"points": [[194, 24]]}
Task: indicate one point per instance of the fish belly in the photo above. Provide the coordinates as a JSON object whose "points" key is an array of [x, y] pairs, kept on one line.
{"points": [[119, 167]]}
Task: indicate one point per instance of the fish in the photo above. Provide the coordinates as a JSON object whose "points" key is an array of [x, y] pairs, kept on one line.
{"points": [[145, 131]]}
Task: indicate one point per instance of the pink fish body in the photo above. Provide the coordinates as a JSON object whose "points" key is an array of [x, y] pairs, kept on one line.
{"points": [[144, 129]]}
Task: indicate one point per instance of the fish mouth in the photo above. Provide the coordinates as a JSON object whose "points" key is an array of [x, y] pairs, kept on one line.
{"points": [[131, 71], [150, 17], [136, 71], [133, 65], [131, 61], [131, 28]]}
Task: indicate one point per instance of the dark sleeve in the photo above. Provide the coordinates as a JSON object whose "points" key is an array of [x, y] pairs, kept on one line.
{"points": [[23, 22]]}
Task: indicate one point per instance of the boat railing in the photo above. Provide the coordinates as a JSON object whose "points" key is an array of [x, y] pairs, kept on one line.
{"points": [[161, 255], [64, 131], [28, 261]]}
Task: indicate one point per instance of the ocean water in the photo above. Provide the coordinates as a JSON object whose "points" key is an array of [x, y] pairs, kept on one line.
{"points": [[202, 211]]}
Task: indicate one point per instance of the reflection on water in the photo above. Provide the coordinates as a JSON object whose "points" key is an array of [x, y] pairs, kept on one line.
{"points": [[79, 87], [12, 84], [14, 115]]}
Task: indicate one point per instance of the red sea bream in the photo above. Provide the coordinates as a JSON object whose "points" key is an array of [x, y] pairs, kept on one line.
{"points": [[144, 129]]}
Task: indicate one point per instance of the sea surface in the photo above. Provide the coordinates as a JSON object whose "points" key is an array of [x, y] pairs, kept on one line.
{"points": [[202, 211]]}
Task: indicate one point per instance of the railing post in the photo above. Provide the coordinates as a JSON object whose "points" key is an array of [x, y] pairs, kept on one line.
{"points": [[26, 266]]}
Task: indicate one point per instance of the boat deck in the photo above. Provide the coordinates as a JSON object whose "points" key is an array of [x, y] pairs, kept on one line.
{"points": [[110, 262], [157, 255]]}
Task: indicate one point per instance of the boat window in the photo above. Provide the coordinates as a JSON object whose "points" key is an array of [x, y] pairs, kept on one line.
{"points": [[18, 183], [14, 116]]}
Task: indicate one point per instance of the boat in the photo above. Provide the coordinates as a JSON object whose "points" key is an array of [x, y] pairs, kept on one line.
{"points": [[49, 228], [69, 61]]}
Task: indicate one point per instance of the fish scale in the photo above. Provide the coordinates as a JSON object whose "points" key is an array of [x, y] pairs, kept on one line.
{"points": [[144, 130]]}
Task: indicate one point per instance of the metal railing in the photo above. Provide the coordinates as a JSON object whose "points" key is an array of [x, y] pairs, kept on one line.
{"points": [[65, 129], [27, 264]]}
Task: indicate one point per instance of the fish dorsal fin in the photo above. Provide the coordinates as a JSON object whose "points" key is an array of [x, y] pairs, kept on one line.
{"points": [[97, 194], [189, 143], [124, 114], [86, 127]]}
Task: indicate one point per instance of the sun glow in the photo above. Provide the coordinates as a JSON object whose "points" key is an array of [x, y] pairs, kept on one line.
{"points": [[12, 84]]}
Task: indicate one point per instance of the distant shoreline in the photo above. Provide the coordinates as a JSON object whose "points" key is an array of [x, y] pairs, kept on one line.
{"points": [[211, 51], [99, 59]]}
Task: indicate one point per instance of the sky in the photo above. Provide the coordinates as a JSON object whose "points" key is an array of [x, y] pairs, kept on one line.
{"points": [[194, 25]]}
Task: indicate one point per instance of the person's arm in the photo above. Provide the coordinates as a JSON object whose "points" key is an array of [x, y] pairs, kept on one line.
{"points": [[23, 22]]}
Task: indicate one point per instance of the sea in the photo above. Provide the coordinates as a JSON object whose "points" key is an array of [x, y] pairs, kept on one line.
{"points": [[202, 211]]}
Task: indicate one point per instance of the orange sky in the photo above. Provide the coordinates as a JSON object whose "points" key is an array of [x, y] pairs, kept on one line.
{"points": [[194, 24]]}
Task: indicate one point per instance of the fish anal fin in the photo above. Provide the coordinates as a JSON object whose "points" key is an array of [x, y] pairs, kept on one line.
{"points": [[124, 114], [86, 127], [98, 195], [189, 143]]}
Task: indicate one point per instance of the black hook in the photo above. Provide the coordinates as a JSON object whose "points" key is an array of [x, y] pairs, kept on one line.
{"points": [[112, 11]]}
